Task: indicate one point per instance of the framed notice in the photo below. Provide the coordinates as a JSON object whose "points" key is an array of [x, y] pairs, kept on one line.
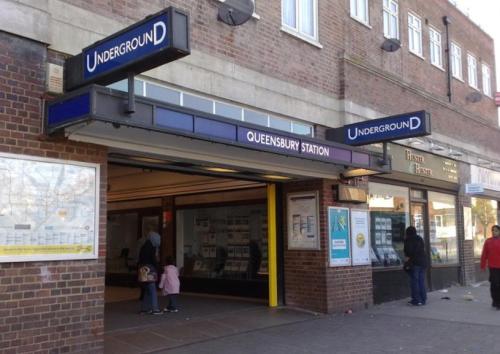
{"points": [[469, 233], [360, 237], [302, 215], [339, 237], [49, 209]]}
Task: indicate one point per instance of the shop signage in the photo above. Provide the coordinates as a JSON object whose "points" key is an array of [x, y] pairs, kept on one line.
{"points": [[489, 179], [402, 126], [156, 40], [360, 237], [339, 237], [420, 163], [302, 215], [474, 188]]}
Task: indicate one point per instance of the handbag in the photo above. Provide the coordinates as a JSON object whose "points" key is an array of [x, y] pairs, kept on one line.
{"points": [[147, 274]]}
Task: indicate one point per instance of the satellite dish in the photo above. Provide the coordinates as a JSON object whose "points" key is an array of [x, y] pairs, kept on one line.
{"points": [[473, 97], [235, 12], [391, 45]]}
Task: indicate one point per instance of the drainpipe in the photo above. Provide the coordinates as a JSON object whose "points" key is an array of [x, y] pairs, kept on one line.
{"points": [[447, 22]]}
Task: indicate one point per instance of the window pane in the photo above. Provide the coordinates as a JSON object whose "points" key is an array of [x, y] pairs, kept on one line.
{"points": [[279, 123], [389, 216], [255, 117], [307, 17], [163, 94], [122, 85], [484, 216], [289, 13], [442, 228], [198, 103], [302, 129], [227, 111]]}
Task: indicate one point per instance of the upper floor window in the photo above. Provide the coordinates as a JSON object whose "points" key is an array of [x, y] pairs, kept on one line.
{"points": [[472, 70], [415, 34], [456, 61], [301, 17], [359, 10], [486, 80], [435, 48], [391, 19]]}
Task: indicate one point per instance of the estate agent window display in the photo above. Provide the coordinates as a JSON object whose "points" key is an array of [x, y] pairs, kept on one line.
{"points": [[484, 216]]}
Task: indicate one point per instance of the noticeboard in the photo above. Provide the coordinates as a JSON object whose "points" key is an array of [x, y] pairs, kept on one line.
{"points": [[339, 237], [48, 209]]}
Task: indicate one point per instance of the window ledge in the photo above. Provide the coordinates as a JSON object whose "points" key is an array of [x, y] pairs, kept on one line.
{"points": [[417, 55], [361, 22], [475, 88], [458, 78], [302, 37], [438, 67]]}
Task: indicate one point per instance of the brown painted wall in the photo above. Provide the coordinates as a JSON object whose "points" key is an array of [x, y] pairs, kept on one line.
{"points": [[45, 307]]}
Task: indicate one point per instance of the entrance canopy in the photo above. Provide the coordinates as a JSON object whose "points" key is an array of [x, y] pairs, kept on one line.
{"points": [[173, 136]]}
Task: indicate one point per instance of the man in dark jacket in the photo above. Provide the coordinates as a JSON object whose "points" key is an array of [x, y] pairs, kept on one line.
{"points": [[414, 250]]}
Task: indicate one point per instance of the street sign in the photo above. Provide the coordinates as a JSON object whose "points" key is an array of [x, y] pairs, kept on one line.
{"points": [[474, 188]]}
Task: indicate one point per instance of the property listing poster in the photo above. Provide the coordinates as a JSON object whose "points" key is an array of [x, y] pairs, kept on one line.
{"points": [[339, 236], [360, 237], [303, 221], [48, 209]]}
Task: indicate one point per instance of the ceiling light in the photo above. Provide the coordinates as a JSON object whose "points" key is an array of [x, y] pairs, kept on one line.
{"points": [[276, 177], [455, 153], [147, 159], [415, 141], [219, 169], [359, 172], [435, 147]]}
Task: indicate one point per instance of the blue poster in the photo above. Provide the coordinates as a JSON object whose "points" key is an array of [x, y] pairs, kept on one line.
{"points": [[338, 237]]}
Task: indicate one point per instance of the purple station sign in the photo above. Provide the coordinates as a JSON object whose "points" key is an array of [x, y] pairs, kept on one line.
{"points": [[289, 145]]}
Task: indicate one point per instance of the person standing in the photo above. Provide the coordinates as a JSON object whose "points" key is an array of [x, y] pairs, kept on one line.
{"points": [[148, 273], [414, 250], [170, 284], [491, 257]]}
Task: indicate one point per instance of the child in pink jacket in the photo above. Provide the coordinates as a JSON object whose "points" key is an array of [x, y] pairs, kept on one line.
{"points": [[170, 284]]}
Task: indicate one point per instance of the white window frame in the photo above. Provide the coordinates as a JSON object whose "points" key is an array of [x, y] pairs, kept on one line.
{"points": [[415, 35], [472, 71], [456, 61], [360, 6], [387, 15], [298, 20], [486, 76], [435, 48]]}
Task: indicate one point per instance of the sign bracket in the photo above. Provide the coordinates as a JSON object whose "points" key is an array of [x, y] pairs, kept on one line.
{"points": [[131, 94], [384, 161]]}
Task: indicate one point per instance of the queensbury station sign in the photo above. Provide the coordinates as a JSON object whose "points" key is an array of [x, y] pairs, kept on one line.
{"points": [[407, 125], [156, 40]]}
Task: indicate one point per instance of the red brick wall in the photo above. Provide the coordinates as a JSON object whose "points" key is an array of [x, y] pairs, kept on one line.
{"points": [[54, 307], [364, 46], [309, 281]]}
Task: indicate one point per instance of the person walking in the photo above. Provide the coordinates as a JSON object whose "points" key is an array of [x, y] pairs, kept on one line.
{"points": [[416, 260], [170, 284], [491, 257], [148, 273]]}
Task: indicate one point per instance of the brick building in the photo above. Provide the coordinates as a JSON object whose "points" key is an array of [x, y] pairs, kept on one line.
{"points": [[296, 69]]}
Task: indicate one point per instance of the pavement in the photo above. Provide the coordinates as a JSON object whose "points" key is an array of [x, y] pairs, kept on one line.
{"points": [[455, 320]]}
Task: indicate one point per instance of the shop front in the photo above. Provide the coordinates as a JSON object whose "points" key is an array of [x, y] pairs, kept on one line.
{"points": [[422, 191], [484, 210]]}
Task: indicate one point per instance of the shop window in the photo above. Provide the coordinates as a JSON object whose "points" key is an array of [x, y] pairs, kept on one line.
{"points": [[389, 217], [122, 243], [442, 228], [484, 216], [228, 242]]}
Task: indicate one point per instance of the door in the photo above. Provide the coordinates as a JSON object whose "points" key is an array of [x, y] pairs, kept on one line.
{"points": [[418, 217]]}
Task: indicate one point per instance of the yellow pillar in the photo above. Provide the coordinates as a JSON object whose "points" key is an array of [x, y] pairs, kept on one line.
{"points": [[271, 245]]}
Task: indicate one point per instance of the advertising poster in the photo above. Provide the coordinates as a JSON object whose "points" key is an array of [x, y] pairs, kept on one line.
{"points": [[360, 237], [48, 209], [469, 233], [302, 217], [339, 236]]}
